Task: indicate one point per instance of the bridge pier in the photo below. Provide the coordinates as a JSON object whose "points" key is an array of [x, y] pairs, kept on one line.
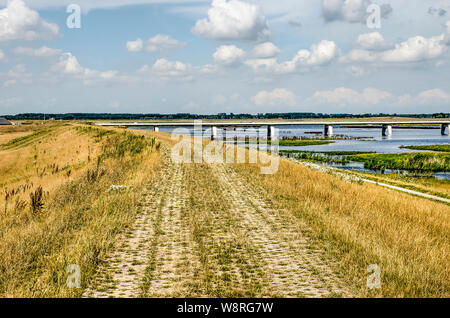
{"points": [[445, 127], [213, 132], [270, 132], [328, 130], [386, 130], [156, 128]]}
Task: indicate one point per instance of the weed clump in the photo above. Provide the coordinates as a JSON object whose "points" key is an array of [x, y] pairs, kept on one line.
{"points": [[36, 198], [126, 144]]}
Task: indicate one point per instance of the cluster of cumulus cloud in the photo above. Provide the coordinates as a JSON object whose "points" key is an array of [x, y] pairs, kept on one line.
{"points": [[231, 23], [233, 20], [373, 48], [342, 97], [18, 22], [159, 43], [239, 21]]}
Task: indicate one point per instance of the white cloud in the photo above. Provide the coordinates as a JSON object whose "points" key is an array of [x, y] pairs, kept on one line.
{"points": [[90, 76], [360, 56], [414, 49], [270, 65], [266, 50], [40, 52], [18, 74], [135, 46], [233, 20], [372, 41], [108, 74], [372, 96], [347, 96], [2, 56], [433, 96], [158, 43], [162, 43], [228, 55], [320, 54], [67, 64], [208, 69], [144, 69], [353, 11], [18, 22], [166, 69], [18, 71], [277, 97]]}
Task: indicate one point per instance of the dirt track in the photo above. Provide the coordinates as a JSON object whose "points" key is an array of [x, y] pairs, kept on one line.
{"points": [[204, 232]]}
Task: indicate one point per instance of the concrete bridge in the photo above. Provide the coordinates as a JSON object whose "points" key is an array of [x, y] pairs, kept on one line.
{"points": [[386, 127]]}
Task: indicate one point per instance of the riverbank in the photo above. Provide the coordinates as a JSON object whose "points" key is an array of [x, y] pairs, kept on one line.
{"points": [[440, 148], [412, 162], [419, 162]]}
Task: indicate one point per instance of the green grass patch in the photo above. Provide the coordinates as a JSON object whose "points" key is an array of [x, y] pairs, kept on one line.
{"points": [[440, 148], [25, 139], [97, 133], [405, 161]]}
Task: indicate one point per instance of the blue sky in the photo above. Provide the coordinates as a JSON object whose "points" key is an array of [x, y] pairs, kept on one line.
{"points": [[158, 56]]}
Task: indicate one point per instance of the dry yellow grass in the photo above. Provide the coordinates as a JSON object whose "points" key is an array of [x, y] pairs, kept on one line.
{"points": [[6, 137], [361, 225], [80, 218], [426, 185], [224, 216], [47, 160], [8, 133]]}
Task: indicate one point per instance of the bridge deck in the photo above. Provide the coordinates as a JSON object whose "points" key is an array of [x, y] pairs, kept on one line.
{"points": [[284, 123]]}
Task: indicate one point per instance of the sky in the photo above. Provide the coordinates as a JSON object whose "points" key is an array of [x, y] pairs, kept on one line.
{"points": [[240, 56]]}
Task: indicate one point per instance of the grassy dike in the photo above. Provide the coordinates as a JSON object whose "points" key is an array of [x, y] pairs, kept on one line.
{"points": [[77, 218], [57, 209], [362, 224]]}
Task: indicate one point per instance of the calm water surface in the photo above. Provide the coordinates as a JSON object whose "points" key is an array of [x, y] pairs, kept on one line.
{"points": [[400, 137], [379, 144]]}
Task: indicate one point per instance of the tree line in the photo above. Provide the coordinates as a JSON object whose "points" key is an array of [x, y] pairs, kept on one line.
{"points": [[127, 116]]}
